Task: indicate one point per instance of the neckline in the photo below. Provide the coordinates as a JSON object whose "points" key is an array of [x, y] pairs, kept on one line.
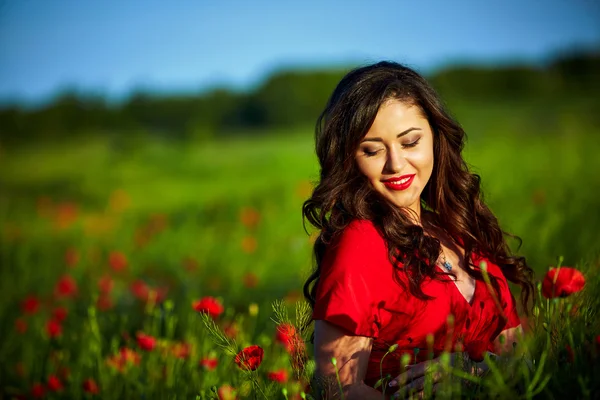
{"points": [[458, 292]]}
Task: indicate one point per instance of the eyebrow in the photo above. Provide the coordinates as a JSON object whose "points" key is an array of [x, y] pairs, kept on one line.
{"points": [[376, 139]]}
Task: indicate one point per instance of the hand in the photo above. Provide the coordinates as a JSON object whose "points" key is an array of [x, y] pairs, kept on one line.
{"points": [[413, 380]]}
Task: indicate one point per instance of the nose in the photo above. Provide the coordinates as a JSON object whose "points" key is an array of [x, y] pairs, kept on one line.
{"points": [[395, 161]]}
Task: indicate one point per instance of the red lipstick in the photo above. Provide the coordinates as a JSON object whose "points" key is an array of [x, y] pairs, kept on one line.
{"points": [[399, 183]]}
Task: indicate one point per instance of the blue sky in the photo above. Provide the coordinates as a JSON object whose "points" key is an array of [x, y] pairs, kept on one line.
{"points": [[114, 46]]}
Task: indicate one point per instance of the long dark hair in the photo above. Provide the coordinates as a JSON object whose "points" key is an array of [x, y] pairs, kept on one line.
{"points": [[452, 196]]}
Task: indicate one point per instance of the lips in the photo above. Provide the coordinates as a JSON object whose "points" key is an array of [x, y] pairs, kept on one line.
{"points": [[399, 183]]}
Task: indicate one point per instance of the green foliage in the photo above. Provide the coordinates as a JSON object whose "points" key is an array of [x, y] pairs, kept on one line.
{"points": [[287, 98]]}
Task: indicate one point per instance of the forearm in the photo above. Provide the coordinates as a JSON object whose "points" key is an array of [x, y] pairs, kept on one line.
{"points": [[329, 389]]}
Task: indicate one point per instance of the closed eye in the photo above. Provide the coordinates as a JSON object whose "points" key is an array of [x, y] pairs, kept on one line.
{"points": [[412, 144], [370, 153]]}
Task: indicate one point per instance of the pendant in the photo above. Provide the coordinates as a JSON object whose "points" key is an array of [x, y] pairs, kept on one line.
{"points": [[447, 265]]}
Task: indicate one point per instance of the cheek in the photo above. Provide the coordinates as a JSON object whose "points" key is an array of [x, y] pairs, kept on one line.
{"points": [[423, 162], [370, 168]]}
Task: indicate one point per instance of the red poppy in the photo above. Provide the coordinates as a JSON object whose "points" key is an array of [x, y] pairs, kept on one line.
{"points": [[250, 280], [249, 244], [53, 328], [280, 376], [90, 386], [66, 214], [38, 391], [209, 363], [104, 302], [21, 325], [181, 350], [60, 313], [250, 358], [146, 342], [231, 330], [105, 284], [30, 305], [54, 384], [117, 261], [287, 336], [140, 289], [570, 354], [71, 257], [562, 282], [66, 287], [476, 350], [250, 217], [208, 305], [125, 358], [226, 392]]}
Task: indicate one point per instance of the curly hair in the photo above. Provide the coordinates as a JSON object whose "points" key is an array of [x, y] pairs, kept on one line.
{"points": [[452, 195]]}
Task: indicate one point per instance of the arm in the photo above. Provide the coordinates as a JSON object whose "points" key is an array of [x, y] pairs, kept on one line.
{"points": [[352, 355], [511, 335]]}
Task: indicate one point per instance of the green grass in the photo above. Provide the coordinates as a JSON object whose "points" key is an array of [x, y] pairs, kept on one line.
{"points": [[542, 185]]}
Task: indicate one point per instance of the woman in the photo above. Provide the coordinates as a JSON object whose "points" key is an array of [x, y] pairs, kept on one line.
{"points": [[403, 234]]}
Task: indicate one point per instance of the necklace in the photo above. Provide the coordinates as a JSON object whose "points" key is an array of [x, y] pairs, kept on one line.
{"points": [[445, 263]]}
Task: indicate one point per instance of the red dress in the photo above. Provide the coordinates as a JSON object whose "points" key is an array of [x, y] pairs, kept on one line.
{"points": [[357, 293]]}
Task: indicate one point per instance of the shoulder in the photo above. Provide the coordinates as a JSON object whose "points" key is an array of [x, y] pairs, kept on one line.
{"points": [[357, 245], [361, 232]]}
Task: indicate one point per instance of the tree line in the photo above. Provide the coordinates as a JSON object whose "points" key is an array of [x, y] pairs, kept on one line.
{"points": [[287, 98]]}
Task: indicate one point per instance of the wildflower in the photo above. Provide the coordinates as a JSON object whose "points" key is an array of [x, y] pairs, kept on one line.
{"points": [[54, 384], [181, 350], [124, 359], [90, 386], [249, 244], [250, 217], [140, 289], [71, 257], [286, 335], [570, 354], [562, 282], [226, 392], [53, 328], [117, 261], [280, 376], [66, 214], [250, 280], [60, 313], [30, 305], [250, 358], [104, 302], [146, 342], [21, 325], [64, 373], [105, 284], [209, 363], [253, 309], [38, 390], [231, 330], [476, 350], [208, 305], [66, 287]]}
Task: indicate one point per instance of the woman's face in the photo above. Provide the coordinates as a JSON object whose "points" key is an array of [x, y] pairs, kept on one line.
{"points": [[396, 154]]}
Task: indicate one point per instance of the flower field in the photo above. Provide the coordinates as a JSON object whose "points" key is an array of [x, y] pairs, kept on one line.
{"points": [[150, 269]]}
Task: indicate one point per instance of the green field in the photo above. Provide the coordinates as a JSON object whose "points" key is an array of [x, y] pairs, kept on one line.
{"points": [[223, 218]]}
